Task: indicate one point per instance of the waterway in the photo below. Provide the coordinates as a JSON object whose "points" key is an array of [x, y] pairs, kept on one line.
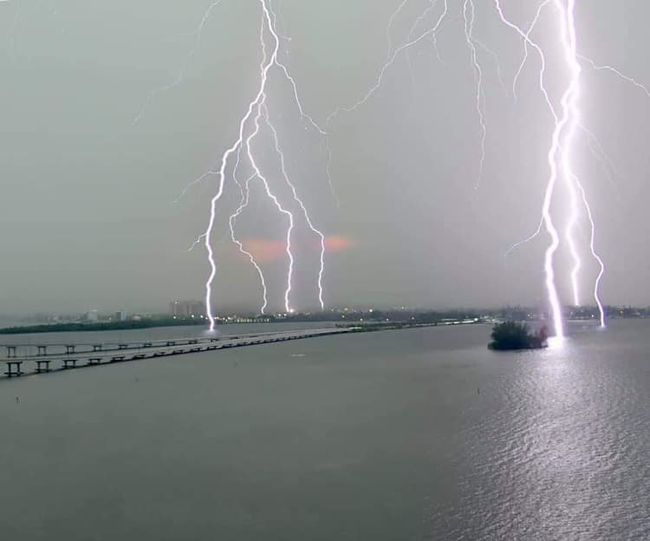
{"points": [[418, 434]]}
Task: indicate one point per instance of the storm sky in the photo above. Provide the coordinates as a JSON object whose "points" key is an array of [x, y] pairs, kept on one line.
{"points": [[90, 213]]}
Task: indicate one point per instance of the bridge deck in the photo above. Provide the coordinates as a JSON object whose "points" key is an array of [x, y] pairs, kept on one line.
{"points": [[71, 356]]}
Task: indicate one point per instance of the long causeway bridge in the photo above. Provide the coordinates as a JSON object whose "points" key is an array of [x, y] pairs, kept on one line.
{"points": [[24, 359]]}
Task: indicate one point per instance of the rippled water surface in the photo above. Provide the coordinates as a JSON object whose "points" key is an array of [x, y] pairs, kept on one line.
{"points": [[403, 435]]}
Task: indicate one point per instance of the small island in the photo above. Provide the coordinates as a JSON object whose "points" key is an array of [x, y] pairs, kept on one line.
{"points": [[512, 336]]}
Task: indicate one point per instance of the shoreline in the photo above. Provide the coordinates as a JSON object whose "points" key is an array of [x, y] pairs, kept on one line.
{"points": [[104, 326], [160, 324], [74, 356]]}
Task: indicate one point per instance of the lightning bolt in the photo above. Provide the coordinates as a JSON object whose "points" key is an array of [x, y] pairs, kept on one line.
{"points": [[565, 115], [570, 105], [434, 37], [391, 21], [297, 199], [180, 76], [259, 175], [567, 124], [618, 74], [495, 58], [245, 198], [390, 60], [597, 150], [469, 14], [294, 87], [526, 41], [594, 253], [256, 113], [552, 159], [391, 57], [414, 27], [265, 68], [393, 53], [571, 113]]}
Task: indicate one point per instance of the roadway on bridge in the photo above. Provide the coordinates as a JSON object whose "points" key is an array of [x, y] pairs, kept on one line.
{"points": [[25, 359]]}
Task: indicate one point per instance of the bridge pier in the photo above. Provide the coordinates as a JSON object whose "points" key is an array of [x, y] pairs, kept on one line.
{"points": [[42, 366], [81, 355], [13, 369]]}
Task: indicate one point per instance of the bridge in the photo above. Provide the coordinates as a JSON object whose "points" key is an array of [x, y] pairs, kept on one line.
{"points": [[29, 359]]}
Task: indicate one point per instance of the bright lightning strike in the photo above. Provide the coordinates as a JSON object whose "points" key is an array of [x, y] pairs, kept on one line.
{"points": [[271, 195], [560, 155], [594, 253], [297, 199], [571, 113], [258, 111], [574, 185], [267, 63], [566, 123], [552, 158], [245, 198]]}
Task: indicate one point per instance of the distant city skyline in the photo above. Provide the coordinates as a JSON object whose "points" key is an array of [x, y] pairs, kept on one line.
{"points": [[185, 309]]}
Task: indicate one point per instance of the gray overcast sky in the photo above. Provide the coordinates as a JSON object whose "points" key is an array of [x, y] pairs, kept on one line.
{"points": [[87, 203]]}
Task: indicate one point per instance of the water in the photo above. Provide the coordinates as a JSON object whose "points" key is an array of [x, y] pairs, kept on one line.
{"points": [[403, 435], [153, 334]]}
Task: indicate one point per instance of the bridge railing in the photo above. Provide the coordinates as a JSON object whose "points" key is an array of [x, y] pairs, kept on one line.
{"points": [[68, 356], [32, 351]]}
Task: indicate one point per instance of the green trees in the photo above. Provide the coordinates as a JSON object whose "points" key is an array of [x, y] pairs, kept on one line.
{"points": [[512, 335]]}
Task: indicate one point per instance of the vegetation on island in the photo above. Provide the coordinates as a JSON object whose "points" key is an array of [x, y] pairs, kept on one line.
{"points": [[511, 335], [79, 326]]}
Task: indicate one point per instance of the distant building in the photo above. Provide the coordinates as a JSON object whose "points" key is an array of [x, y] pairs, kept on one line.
{"points": [[186, 309], [121, 316], [92, 316]]}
